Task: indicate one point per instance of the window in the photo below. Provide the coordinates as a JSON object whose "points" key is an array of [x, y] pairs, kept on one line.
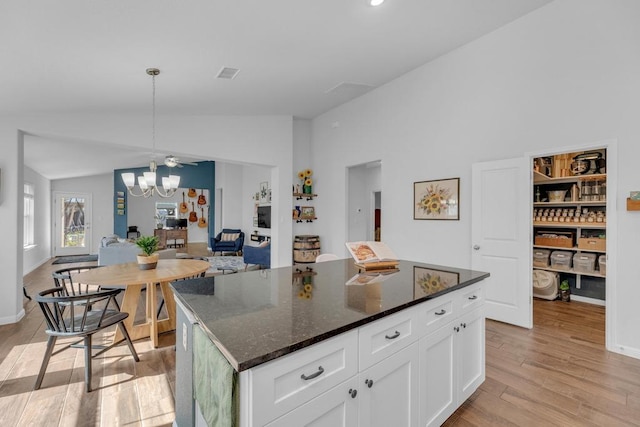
{"points": [[29, 219]]}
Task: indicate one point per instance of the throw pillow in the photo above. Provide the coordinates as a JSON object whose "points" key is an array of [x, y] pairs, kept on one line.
{"points": [[229, 237]]}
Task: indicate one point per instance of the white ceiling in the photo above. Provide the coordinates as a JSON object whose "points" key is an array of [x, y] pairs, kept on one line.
{"points": [[90, 56]]}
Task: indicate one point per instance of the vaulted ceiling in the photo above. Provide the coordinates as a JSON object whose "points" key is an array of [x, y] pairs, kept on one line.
{"points": [[295, 57]]}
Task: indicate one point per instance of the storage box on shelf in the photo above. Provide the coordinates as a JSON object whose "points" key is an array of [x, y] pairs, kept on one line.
{"points": [[592, 243], [602, 264], [584, 262], [541, 257], [561, 260], [559, 239]]}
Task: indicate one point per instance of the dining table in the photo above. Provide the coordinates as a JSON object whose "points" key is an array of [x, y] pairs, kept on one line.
{"points": [[134, 280]]}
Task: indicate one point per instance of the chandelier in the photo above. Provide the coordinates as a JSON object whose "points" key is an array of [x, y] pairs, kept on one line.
{"points": [[147, 182]]}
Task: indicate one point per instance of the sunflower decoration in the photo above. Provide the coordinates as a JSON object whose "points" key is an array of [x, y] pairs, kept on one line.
{"points": [[307, 182], [431, 283], [434, 200]]}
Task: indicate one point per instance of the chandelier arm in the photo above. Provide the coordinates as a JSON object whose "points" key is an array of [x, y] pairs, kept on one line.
{"points": [[143, 193]]}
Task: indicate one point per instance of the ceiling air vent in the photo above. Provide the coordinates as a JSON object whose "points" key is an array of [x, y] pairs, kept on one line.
{"points": [[227, 73]]}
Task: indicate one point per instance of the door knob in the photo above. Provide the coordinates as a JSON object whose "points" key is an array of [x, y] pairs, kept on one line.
{"points": [[476, 247]]}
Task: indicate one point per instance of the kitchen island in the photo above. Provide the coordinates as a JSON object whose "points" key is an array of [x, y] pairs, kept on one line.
{"points": [[322, 343]]}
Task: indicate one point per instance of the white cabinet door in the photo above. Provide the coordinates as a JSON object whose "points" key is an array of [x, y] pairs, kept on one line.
{"points": [[471, 354], [337, 407], [438, 376], [388, 391]]}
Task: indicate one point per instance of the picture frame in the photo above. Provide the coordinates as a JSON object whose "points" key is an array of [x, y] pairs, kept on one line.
{"points": [[264, 189], [307, 212], [120, 211], [437, 199], [428, 281]]}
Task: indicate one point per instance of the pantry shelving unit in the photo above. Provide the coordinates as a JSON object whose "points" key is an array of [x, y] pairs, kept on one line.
{"points": [[587, 286]]}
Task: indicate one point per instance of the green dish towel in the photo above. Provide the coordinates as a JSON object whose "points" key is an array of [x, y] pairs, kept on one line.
{"points": [[214, 383]]}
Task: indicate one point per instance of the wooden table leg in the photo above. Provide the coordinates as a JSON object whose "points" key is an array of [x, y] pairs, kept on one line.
{"points": [[152, 319], [130, 302], [168, 324]]}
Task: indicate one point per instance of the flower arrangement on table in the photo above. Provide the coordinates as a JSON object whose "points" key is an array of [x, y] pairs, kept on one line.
{"points": [[306, 181], [435, 200]]}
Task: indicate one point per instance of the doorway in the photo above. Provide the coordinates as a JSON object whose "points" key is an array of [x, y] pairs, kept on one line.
{"points": [[72, 223], [363, 197]]}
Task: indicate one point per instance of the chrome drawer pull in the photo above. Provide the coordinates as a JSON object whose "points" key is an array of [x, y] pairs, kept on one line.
{"points": [[314, 375], [393, 337], [353, 393], [473, 297], [441, 312]]}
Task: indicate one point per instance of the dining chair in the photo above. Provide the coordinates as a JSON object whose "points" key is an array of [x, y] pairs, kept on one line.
{"points": [[80, 315]]}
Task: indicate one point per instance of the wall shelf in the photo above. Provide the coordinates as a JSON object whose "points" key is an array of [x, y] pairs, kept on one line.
{"points": [[571, 271], [307, 196], [593, 225], [633, 205]]}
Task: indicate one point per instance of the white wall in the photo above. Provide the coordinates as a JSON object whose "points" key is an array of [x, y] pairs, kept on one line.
{"points": [[100, 187], [41, 251], [229, 178], [566, 74], [260, 140]]}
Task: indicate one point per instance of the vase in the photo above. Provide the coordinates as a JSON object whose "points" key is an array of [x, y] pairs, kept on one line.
{"points": [[148, 262], [565, 295], [307, 189]]}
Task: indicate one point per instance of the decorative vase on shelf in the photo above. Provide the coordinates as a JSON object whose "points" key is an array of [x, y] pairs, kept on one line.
{"points": [[307, 189]]}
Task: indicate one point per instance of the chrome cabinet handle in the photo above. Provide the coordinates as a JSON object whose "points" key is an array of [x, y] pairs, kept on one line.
{"points": [[457, 329], [472, 297], [316, 374], [353, 393], [440, 313], [464, 325], [369, 383], [476, 247], [393, 337]]}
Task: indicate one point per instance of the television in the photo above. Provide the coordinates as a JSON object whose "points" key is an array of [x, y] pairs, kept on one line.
{"points": [[176, 223], [264, 216]]}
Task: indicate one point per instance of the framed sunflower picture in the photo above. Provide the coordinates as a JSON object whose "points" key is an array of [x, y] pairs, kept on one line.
{"points": [[438, 199], [427, 281]]}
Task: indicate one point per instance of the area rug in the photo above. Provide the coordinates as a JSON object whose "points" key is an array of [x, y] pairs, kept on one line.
{"points": [[218, 262], [75, 258]]}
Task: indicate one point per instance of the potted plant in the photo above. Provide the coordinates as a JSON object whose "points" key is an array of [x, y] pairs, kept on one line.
{"points": [[148, 259], [159, 221], [565, 293]]}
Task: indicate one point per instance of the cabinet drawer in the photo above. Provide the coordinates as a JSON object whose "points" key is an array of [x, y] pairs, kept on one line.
{"points": [[288, 382], [435, 313], [471, 297], [384, 337]]}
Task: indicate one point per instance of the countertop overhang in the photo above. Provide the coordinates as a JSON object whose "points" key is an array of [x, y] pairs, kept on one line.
{"points": [[257, 316]]}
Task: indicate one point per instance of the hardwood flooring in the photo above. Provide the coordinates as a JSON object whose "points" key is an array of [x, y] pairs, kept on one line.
{"points": [[557, 374]]}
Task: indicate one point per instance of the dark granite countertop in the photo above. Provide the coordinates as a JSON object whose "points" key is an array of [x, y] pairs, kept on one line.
{"points": [[257, 316]]}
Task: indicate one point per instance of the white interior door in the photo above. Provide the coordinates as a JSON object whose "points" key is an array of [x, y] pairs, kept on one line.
{"points": [[72, 223], [501, 229]]}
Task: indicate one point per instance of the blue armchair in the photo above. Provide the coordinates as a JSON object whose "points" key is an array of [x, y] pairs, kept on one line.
{"points": [[228, 240], [260, 255]]}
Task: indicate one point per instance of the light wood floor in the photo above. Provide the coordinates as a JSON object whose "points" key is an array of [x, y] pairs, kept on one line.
{"points": [[558, 373]]}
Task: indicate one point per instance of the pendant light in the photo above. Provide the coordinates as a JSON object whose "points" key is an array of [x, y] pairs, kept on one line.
{"points": [[147, 182]]}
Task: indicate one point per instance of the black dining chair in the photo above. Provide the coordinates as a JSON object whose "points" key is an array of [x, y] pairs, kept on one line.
{"points": [[80, 315]]}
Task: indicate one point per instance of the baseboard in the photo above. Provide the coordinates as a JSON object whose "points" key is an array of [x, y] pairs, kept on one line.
{"points": [[626, 351], [12, 319], [37, 265]]}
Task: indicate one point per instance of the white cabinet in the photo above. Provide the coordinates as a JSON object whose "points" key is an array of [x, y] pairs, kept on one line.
{"points": [[415, 367], [388, 391], [451, 367], [337, 407]]}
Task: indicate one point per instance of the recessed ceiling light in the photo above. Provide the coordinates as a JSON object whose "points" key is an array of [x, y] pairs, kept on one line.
{"points": [[375, 2]]}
